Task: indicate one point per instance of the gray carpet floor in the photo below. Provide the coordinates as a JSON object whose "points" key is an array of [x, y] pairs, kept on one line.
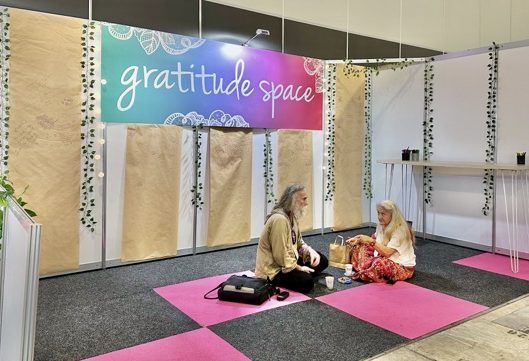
{"points": [[87, 314]]}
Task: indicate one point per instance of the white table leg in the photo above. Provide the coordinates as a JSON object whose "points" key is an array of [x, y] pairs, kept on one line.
{"points": [[386, 184], [390, 181], [515, 265], [506, 211]]}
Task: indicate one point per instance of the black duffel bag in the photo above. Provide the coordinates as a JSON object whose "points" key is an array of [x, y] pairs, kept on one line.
{"points": [[244, 289]]}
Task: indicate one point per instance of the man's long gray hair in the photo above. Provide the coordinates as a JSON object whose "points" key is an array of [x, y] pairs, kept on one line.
{"points": [[286, 202]]}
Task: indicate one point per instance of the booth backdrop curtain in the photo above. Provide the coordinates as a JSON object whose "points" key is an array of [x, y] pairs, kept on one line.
{"points": [[230, 188], [349, 140], [44, 129], [294, 165], [152, 188]]}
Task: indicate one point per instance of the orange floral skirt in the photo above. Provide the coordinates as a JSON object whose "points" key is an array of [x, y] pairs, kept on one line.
{"points": [[371, 268]]}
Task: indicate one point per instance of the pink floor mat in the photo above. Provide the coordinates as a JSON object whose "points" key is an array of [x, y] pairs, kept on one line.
{"points": [[201, 344], [188, 297], [496, 263], [403, 308]]}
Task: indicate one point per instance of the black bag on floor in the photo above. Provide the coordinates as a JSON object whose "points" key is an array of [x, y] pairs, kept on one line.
{"points": [[244, 289]]}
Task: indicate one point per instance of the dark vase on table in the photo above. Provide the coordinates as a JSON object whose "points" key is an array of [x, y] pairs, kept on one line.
{"points": [[520, 159]]}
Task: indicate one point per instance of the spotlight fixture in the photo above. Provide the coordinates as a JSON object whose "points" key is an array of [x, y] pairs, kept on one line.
{"points": [[258, 32]]}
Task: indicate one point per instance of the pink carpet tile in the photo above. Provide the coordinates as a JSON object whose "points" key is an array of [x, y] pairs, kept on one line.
{"points": [[403, 308], [496, 263], [188, 297], [201, 344]]}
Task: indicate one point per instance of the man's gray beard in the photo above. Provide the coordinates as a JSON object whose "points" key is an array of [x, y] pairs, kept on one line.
{"points": [[300, 213]]}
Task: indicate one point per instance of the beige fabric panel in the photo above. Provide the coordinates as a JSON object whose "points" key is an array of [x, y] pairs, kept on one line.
{"points": [[230, 186], [152, 188], [349, 140], [294, 165], [44, 139]]}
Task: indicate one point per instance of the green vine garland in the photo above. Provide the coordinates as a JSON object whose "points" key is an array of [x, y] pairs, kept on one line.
{"points": [[197, 189], [428, 124], [367, 179], [330, 115], [88, 130], [492, 102], [351, 69], [268, 169], [8, 190], [5, 54]]}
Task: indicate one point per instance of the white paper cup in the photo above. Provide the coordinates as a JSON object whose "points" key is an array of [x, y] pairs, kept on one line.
{"points": [[329, 280], [348, 269]]}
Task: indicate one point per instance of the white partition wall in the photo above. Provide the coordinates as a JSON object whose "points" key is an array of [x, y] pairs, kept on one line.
{"points": [[397, 118], [460, 96], [186, 213], [19, 284], [459, 100], [513, 114], [116, 144], [259, 205]]}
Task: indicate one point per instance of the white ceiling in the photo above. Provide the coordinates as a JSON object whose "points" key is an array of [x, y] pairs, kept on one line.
{"points": [[445, 25]]}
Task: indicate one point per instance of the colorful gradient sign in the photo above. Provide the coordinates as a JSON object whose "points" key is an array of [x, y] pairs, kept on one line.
{"points": [[160, 78]]}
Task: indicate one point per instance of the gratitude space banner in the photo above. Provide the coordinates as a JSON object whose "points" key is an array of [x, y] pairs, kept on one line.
{"points": [[159, 78]]}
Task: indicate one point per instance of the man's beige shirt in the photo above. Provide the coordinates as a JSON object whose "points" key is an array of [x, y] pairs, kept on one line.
{"points": [[275, 251]]}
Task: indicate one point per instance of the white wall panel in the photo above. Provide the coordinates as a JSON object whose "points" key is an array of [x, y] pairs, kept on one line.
{"points": [[185, 207], [513, 120], [460, 98], [277, 191], [258, 183], [317, 181], [513, 107], [397, 115], [116, 144], [203, 214]]}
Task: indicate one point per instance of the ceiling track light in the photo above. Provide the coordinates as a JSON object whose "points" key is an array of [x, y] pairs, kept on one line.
{"points": [[258, 32]]}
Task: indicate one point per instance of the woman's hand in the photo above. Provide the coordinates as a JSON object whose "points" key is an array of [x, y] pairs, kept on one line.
{"points": [[359, 239], [353, 241]]}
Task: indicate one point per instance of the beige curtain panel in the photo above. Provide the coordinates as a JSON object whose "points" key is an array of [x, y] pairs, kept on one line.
{"points": [[230, 188], [349, 140], [44, 139], [152, 188], [294, 165]]}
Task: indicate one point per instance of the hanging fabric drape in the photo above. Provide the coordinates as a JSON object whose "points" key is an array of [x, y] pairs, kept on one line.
{"points": [[230, 191], [294, 165], [44, 139], [349, 140], [152, 188]]}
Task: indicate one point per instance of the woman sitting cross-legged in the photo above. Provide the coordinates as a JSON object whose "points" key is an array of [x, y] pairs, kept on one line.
{"points": [[389, 255]]}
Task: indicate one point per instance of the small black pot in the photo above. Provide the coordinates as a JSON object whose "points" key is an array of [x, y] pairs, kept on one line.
{"points": [[520, 159]]}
